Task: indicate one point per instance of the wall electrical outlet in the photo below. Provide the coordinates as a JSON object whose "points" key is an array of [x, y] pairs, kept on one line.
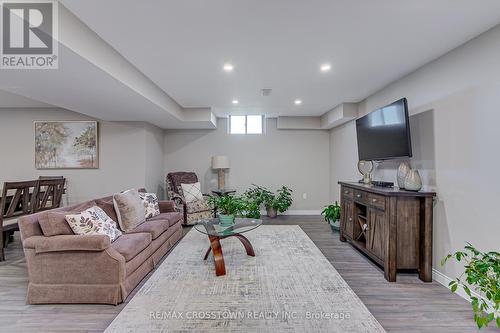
{"points": [[304, 196]]}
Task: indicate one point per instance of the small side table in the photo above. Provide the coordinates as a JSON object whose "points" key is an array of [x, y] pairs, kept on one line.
{"points": [[223, 192], [217, 232]]}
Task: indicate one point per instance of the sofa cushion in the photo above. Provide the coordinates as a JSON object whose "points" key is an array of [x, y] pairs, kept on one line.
{"points": [[108, 207], [155, 228], [166, 206], [172, 217], [151, 206], [53, 222], [129, 209], [130, 245], [93, 221]]}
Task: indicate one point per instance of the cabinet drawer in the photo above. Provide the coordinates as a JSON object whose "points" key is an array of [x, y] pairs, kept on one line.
{"points": [[347, 192], [376, 200], [361, 196]]}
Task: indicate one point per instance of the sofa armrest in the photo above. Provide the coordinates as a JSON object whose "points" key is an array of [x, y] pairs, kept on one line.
{"points": [[42, 244], [166, 206]]}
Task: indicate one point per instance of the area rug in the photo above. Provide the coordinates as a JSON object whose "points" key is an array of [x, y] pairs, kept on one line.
{"points": [[289, 286]]}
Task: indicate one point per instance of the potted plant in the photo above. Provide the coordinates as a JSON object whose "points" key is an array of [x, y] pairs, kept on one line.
{"points": [[482, 273], [274, 202], [332, 215], [228, 207], [252, 206]]}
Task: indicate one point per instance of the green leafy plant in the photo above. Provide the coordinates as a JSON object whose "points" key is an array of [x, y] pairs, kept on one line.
{"points": [[281, 200], [228, 204], [252, 207], [331, 212], [482, 272]]}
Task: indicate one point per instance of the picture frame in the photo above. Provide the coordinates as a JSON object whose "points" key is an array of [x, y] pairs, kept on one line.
{"points": [[66, 144]]}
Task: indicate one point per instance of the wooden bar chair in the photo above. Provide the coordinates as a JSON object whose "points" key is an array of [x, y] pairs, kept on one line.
{"points": [[65, 197], [18, 198], [50, 191]]}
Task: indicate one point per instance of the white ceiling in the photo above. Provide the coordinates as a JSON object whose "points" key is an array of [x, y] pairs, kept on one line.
{"points": [[279, 44], [11, 100]]}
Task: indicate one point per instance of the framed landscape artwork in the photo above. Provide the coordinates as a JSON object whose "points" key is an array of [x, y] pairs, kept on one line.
{"points": [[66, 145]]}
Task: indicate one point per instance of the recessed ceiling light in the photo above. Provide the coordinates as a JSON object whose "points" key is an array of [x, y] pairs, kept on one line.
{"points": [[298, 102], [325, 67], [235, 101], [228, 67]]}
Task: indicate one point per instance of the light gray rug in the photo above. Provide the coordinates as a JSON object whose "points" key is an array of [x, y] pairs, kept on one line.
{"points": [[289, 286]]}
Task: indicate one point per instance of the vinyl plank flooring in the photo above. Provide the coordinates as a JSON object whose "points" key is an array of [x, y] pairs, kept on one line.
{"points": [[408, 306]]}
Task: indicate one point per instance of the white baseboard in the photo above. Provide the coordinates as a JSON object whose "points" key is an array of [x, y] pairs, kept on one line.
{"points": [[302, 212], [296, 212], [445, 280]]}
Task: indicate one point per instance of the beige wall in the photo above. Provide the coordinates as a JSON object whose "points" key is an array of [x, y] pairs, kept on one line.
{"points": [[297, 158], [131, 154], [455, 102]]}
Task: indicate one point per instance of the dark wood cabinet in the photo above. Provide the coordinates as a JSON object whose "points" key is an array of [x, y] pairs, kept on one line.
{"points": [[391, 226], [375, 233], [349, 223]]}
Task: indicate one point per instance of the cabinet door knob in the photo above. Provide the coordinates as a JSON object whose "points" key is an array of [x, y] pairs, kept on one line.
{"points": [[358, 195], [374, 200], [350, 219], [346, 192]]}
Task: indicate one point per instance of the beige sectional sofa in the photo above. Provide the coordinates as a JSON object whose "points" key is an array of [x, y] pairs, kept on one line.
{"points": [[72, 268]]}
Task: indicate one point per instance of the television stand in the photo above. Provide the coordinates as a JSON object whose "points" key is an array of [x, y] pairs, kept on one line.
{"points": [[393, 227]]}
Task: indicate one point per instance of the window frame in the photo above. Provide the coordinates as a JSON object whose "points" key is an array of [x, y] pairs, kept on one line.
{"points": [[246, 124]]}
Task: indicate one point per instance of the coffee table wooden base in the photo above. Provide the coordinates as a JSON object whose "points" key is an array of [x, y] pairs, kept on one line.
{"points": [[216, 249]]}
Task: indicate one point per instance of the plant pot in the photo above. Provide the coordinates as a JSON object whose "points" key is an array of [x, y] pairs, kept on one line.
{"points": [[271, 212], [335, 225], [226, 220]]}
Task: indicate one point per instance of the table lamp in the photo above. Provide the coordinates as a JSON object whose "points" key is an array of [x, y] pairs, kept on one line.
{"points": [[220, 163]]}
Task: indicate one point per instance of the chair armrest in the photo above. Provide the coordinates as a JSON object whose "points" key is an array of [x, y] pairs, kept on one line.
{"points": [[42, 244], [178, 199], [166, 206]]}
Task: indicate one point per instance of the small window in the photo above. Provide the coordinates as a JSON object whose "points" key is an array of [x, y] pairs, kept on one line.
{"points": [[245, 124], [238, 125]]}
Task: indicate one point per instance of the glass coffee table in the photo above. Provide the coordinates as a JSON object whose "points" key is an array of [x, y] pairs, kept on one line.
{"points": [[216, 232]]}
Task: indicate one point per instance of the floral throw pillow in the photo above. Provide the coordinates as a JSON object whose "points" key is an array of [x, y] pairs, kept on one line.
{"points": [[151, 206], [93, 221]]}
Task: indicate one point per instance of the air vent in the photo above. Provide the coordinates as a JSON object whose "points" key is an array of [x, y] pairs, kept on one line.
{"points": [[266, 92]]}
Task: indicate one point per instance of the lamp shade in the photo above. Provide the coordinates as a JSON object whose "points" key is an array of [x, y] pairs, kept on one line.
{"points": [[220, 162]]}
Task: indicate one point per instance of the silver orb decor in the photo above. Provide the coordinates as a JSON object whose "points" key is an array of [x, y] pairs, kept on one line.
{"points": [[403, 170], [413, 182]]}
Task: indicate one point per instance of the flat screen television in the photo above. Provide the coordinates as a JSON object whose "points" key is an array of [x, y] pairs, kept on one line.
{"points": [[385, 133]]}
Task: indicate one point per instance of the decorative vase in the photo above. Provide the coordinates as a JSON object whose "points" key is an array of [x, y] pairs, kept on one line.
{"points": [[271, 212], [413, 182], [403, 170], [226, 220]]}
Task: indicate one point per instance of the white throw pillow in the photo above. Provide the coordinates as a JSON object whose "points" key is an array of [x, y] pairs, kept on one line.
{"points": [[93, 221], [192, 192], [151, 205]]}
